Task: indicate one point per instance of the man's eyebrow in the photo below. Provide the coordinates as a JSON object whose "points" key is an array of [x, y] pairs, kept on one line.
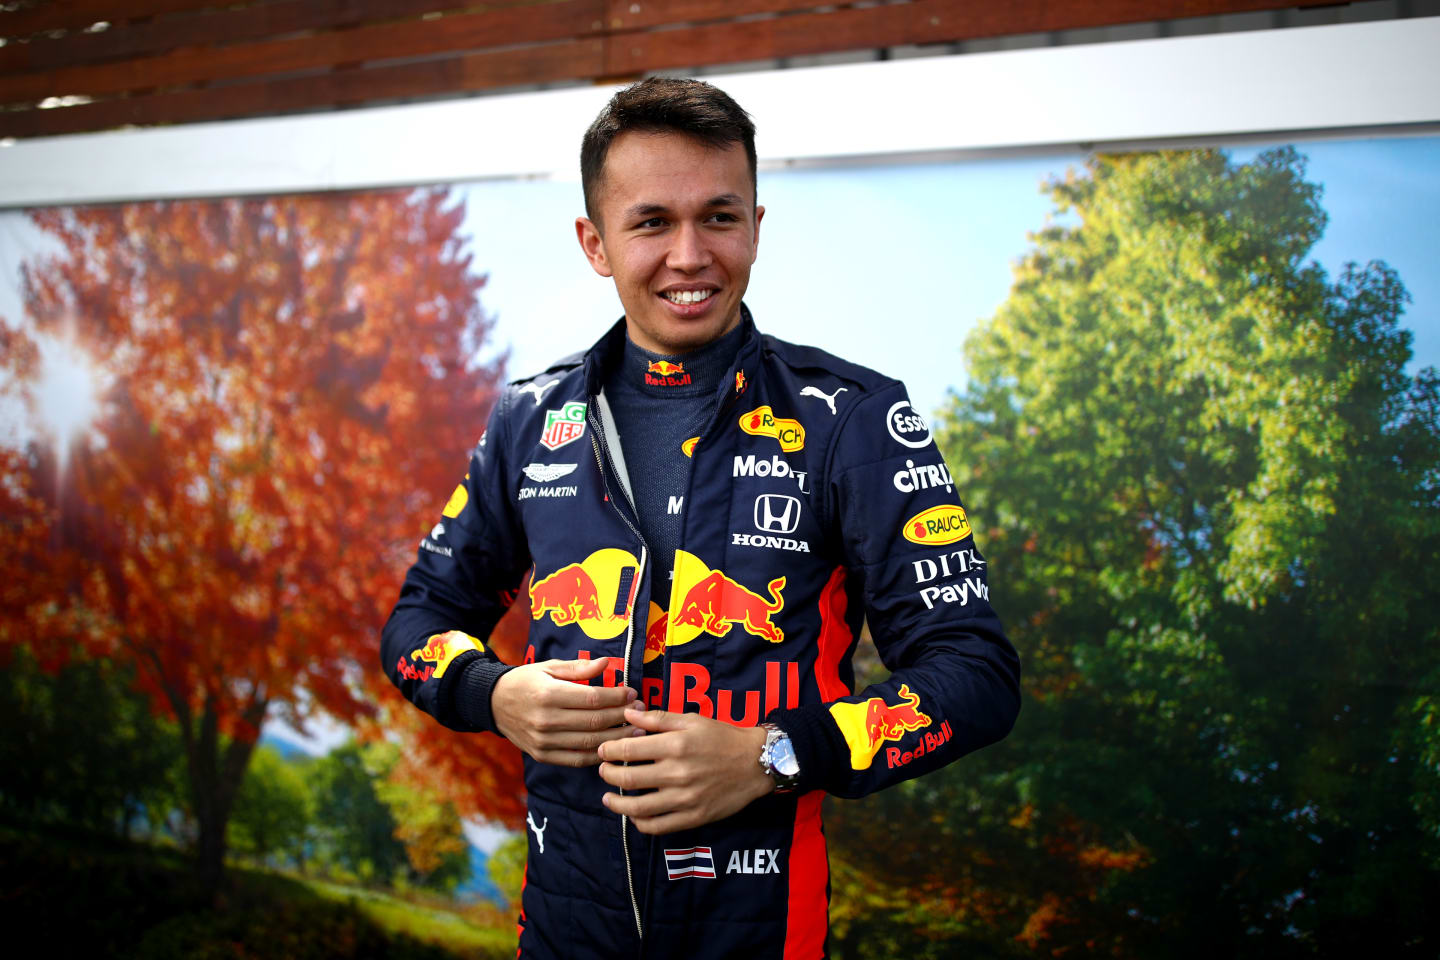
{"points": [[651, 209]]}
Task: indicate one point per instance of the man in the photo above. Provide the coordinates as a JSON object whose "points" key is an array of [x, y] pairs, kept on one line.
{"points": [[706, 514]]}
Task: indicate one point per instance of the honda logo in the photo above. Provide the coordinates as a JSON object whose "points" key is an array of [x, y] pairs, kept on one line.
{"points": [[775, 513]]}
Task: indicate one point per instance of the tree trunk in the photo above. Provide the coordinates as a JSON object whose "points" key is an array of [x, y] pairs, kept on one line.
{"points": [[215, 776]]}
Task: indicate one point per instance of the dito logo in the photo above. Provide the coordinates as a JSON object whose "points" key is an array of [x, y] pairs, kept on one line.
{"points": [[906, 426], [762, 422], [938, 525], [868, 724], [776, 513], [596, 594], [706, 601], [441, 648], [563, 426]]}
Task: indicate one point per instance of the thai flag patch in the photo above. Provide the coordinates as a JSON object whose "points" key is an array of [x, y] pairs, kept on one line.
{"points": [[690, 862]]}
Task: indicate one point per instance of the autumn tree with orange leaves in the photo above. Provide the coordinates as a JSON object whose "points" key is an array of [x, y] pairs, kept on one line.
{"points": [[282, 388]]}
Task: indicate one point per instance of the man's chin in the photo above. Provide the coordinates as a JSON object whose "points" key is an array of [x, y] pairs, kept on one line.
{"points": [[679, 336]]}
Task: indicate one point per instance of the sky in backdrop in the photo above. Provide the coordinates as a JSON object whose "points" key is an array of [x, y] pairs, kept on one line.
{"points": [[892, 265]]}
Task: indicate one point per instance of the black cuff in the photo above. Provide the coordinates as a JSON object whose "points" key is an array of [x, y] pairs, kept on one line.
{"points": [[819, 746], [469, 694]]}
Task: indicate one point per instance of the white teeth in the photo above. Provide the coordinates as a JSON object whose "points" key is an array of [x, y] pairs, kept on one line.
{"points": [[688, 296]]}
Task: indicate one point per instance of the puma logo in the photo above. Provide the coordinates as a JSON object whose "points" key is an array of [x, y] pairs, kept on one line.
{"points": [[829, 398], [539, 391], [539, 831]]}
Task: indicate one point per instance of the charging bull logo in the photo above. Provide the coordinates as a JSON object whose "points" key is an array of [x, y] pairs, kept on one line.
{"points": [[868, 724], [596, 594], [442, 648], [706, 601], [655, 625]]}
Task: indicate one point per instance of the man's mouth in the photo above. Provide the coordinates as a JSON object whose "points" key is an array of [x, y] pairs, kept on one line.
{"points": [[687, 296]]}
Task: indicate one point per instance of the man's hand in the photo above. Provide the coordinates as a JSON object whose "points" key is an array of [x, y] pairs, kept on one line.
{"points": [[700, 770], [542, 711]]}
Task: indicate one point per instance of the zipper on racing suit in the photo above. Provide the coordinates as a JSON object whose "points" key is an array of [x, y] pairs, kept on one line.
{"points": [[597, 442]]}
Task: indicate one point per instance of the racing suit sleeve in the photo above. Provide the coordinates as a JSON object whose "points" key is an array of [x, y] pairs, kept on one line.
{"points": [[463, 580], [910, 554]]}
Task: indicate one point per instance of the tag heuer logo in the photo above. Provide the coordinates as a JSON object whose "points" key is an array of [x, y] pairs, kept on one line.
{"points": [[563, 426]]}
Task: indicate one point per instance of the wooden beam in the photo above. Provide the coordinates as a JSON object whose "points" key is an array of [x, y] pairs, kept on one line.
{"points": [[79, 14], [559, 19], [921, 22], [575, 60], [217, 26], [637, 14]]}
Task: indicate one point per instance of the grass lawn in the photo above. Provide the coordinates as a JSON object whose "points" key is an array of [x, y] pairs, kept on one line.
{"points": [[101, 897]]}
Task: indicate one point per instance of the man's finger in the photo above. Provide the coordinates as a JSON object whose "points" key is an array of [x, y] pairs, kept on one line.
{"points": [[579, 669], [645, 805], [656, 721], [588, 741], [638, 748], [580, 696]]}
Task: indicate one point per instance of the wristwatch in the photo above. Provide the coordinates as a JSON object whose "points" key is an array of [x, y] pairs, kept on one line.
{"points": [[778, 760]]}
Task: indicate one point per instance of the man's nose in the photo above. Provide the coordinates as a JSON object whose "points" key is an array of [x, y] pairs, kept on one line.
{"points": [[689, 253]]}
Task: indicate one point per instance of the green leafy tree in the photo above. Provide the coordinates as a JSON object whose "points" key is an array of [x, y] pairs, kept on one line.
{"points": [[1208, 492], [274, 808], [111, 772], [356, 827]]}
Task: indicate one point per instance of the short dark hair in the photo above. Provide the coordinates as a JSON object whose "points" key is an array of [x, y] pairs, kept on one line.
{"points": [[660, 105]]}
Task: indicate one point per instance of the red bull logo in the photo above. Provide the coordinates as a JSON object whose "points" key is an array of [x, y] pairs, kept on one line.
{"points": [[706, 601], [663, 373], [587, 594], [457, 500], [762, 422], [688, 447], [739, 382], [868, 724], [656, 623], [938, 525], [442, 648]]}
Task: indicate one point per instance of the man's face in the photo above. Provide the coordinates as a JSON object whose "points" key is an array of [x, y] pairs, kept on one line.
{"points": [[680, 231]]}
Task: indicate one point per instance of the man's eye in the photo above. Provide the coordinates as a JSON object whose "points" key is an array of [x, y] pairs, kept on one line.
{"points": [[725, 217], [651, 224]]}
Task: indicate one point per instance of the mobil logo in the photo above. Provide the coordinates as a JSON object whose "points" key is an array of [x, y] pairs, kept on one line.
{"points": [[777, 466]]}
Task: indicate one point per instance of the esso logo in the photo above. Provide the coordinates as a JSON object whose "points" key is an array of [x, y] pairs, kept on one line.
{"points": [[906, 426]]}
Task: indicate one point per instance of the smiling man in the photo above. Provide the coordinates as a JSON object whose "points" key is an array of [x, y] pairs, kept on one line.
{"points": [[707, 515]]}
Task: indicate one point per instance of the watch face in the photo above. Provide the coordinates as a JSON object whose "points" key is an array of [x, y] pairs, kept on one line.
{"points": [[783, 758]]}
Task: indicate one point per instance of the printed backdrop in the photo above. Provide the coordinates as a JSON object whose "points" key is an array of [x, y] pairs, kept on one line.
{"points": [[1189, 397]]}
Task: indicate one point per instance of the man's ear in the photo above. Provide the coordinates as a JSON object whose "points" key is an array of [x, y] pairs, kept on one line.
{"points": [[594, 246], [755, 241]]}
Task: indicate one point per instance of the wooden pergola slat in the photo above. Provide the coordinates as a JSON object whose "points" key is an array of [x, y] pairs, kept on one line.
{"points": [[192, 60], [78, 14], [202, 29], [573, 60], [412, 38]]}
